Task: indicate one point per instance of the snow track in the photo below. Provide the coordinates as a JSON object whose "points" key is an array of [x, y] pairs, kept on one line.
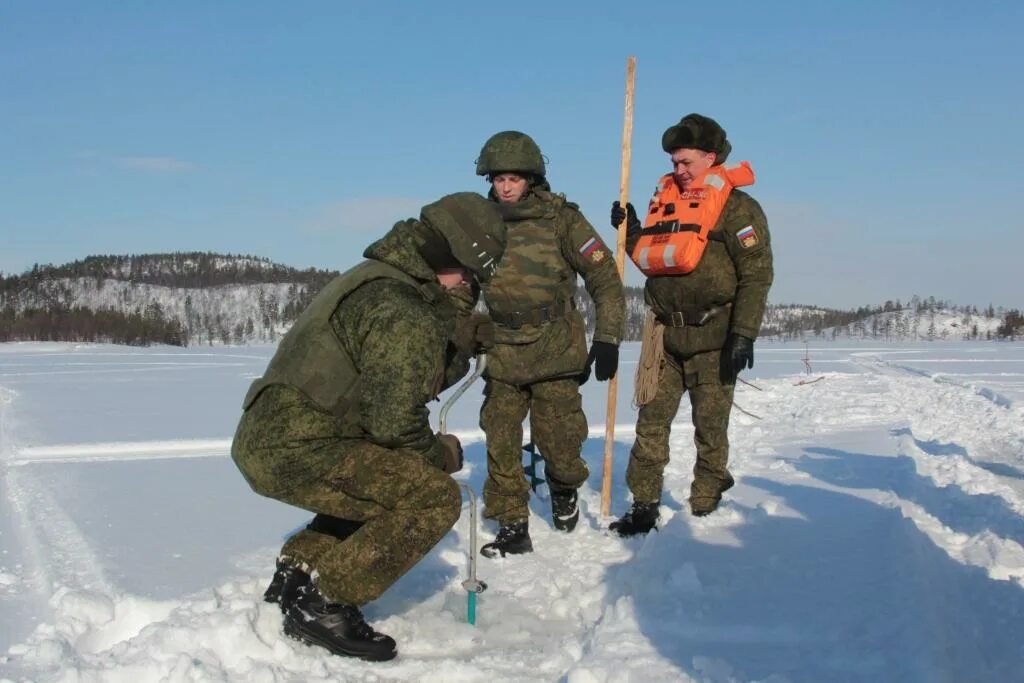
{"points": [[127, 450]]}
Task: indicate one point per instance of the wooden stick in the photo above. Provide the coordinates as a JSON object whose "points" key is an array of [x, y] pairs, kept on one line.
{"points": [[620, 262]]}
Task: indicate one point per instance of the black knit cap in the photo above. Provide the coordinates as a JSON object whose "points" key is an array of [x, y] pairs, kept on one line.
{"points": [[697, 132]]}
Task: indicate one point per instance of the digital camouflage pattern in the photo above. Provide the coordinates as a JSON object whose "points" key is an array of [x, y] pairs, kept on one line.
{"points": [[558, 428], [294, 452], [378, 462], [711, 403], [512, 151], [734, 275], [535, 368], [471, 228]]}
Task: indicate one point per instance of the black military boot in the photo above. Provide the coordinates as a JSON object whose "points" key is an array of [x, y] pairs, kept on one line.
{"points": [[640, 519], [513, 539], [338, 628], [285, 585], [565, 509]]}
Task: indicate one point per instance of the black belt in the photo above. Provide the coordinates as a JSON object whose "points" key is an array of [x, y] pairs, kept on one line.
{"points": [[672, 227], [693, 317], [533, 316]]}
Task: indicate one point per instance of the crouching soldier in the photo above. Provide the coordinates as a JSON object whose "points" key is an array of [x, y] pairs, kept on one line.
{"points": [[338, 424]]}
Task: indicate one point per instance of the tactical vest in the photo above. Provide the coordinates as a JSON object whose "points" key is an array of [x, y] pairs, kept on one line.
{"points": [[310, 356], [679, 222], [533, 277]]}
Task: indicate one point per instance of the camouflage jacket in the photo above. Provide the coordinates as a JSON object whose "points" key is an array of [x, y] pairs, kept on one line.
{"points": [[549, 244], [373, 348], [731, 280]]}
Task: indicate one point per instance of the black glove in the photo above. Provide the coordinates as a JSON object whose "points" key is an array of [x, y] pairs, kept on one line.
{"points": [[452, 452], [738, 353], [628, 214], [473, 334], [605, 358]]}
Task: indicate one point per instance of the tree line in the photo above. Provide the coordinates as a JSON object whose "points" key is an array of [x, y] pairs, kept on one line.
{"points": [[40, 305], [188, 270], [94, 326]]}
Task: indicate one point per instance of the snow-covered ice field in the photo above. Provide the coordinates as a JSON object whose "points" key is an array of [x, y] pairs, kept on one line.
{"points": [[876, 533]]}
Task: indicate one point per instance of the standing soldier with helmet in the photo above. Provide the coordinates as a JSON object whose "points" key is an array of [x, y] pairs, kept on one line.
{"points": [[338, 424], [540, 355], [706, 251]]}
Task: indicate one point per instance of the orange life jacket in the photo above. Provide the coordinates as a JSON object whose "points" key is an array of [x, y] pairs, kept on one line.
{"points": [[678, 222]]}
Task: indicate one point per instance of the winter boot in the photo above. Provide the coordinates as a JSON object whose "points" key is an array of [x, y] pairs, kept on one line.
{"points": [[285, 585], [704, 498], [338, 628], [512, 539], [640, 519], [565, 509]]}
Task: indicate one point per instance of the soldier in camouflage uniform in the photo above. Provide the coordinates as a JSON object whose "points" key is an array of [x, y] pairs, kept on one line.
{"points": [[540, 355], [712, 316], [338, 424]]}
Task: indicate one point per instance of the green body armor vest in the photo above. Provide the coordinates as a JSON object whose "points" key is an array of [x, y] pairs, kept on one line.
{"points": [[311, 358], [533, 284]]}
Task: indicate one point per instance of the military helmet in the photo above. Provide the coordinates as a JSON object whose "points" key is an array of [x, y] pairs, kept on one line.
{"points": [[510, 151], [472, 228]]}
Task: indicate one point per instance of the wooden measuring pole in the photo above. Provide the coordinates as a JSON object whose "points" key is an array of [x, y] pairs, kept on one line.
{"points": [[620, 262]]}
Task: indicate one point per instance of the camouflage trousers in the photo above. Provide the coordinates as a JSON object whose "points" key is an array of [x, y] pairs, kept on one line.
{"points": [[558, 427], [379, 511], [711, 402]]}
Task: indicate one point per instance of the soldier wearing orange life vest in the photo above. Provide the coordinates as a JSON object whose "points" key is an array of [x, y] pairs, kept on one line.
{"points": [[706, 251]]}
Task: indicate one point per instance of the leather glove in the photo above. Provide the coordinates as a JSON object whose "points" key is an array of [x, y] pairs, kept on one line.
{"points": [[628, 214], [605, 358], [739, 353], [452, 452], [473, 333]]}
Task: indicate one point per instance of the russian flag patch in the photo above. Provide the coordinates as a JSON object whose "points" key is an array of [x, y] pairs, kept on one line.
{"points": [[747, 236], [593, 249]]}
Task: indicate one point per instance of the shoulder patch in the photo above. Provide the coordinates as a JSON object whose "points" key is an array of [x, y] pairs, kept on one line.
{"points": [[594, 250], [747, 237]]}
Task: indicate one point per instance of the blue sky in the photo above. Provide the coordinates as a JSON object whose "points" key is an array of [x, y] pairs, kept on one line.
{"points": [[886, 136]]}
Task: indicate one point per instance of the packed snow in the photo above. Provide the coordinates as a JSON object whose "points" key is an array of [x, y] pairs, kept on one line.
{"points": [[876, 533]]}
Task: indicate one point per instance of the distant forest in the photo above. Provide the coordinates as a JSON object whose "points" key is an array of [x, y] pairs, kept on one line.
{"points": [[51, 318], [186, 270], [188, 298], [891, 321]]}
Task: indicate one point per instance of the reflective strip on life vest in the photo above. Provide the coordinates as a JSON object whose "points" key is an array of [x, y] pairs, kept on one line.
{"points": [[678, 222], [667, 256], [641, 259]]}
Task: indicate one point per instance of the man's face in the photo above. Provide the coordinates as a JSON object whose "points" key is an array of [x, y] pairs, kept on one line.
{"points": [[687, 164], [509, 187], [452, 278]]}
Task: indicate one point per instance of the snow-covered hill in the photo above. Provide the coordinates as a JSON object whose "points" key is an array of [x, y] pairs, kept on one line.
{"points": [[210, 298], [203, 298], [236, 314], [914, 322]]}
